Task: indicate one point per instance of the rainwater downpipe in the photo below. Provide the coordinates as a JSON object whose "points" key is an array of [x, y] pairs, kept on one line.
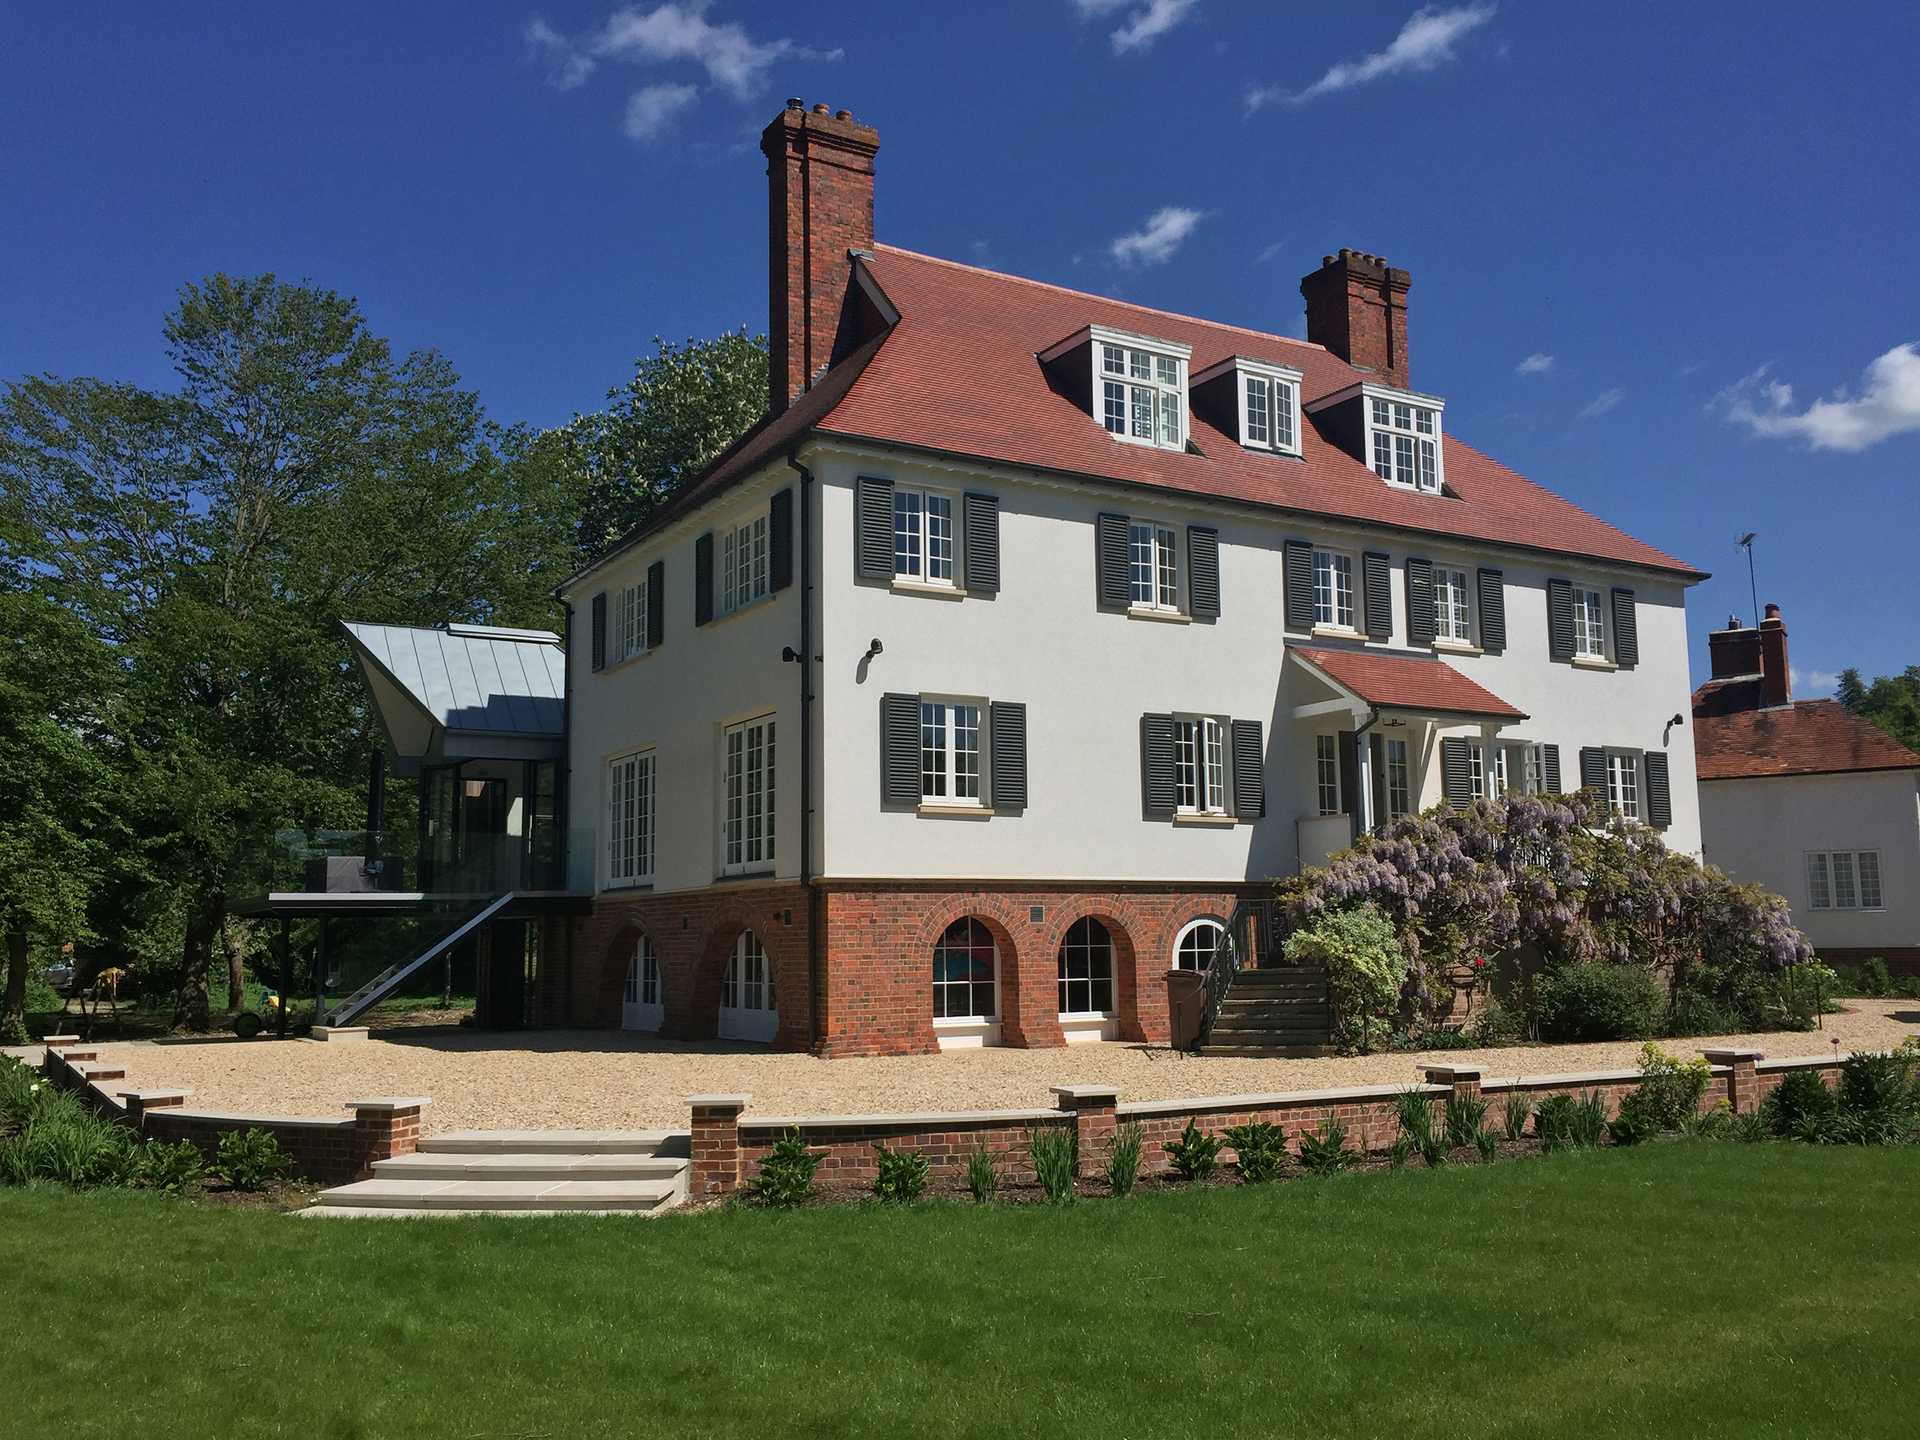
{"points": [[807, 661], [1365, 790]]}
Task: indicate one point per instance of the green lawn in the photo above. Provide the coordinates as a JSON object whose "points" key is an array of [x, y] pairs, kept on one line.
{"points": [[1695, 1289]]}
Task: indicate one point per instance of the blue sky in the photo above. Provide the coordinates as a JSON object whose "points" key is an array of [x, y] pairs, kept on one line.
{"points": [[1696, 220]]}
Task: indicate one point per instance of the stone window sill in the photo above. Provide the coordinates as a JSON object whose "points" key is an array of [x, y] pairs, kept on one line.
{"points": [[922, 587], [1165, 617], [1337, 632], [1456, 647], [1593, 662], [1225, 821], [955, 812]]}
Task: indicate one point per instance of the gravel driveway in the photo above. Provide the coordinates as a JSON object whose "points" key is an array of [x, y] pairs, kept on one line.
{"points": [[597, 1079]]}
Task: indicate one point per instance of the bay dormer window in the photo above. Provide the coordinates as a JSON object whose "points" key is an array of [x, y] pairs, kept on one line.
{"points": [[1254, 401], [1395, 432], [1135, 386]]}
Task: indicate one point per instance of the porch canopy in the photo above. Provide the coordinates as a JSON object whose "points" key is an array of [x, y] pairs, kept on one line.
{"points": [[1376, 687], [464, 692]]}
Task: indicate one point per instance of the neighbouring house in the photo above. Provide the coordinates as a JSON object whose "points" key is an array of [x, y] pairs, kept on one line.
{"points": [[1809, 800], [1033, 633]]}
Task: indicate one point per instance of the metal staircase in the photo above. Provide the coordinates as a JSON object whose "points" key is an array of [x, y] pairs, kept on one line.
{"points": [[383, 984]]}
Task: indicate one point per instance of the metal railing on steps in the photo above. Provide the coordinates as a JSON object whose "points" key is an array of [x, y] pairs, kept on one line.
{"points": [[383, 984]]}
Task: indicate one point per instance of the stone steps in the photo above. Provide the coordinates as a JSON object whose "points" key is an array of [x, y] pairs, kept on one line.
{"points": [[1283, 1012], [522, 1172]]}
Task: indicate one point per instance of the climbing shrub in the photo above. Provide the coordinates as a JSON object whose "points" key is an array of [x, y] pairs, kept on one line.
{"points": [[1366, 969]]}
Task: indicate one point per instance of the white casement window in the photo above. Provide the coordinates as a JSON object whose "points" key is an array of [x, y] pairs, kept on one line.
{"points": [[1476, 770], [629, 636], [1086, 969], [1153, 566], [1333, 589], [1406, 443], [1589, 625], [643, 975], [1326, 767], [1533, 769], [950, 768], [1197, 943], [1623, 784], [630, 810], [1452, 611], [1844, 880], [1270, 411], [1200, 765], [746, 801], [923, 545], [966, 964], [1399, 788], [743, 565], [1143, 395]]}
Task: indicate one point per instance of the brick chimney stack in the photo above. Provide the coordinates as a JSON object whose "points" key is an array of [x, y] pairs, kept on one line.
{"points": [[1357, 308], [820, 206], [1776, 680], [1734, 651]]}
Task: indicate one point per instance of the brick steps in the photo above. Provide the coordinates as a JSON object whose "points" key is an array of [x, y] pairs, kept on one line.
{"points": [[523, 1172]]}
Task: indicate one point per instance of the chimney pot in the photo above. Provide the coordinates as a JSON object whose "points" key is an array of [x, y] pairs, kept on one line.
{"points": [[820, 108], [843, 114], [794, 102]]}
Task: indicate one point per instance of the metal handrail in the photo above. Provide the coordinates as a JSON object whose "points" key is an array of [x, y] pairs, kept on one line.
{"points": [[1247, 931], [377, 989]]}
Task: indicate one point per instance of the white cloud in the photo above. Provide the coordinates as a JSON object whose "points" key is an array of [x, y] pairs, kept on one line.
{"points": [[1154, 242], [1888, 404], [675, 32], [1602, 403], [1425, 42], [1538, 363], [1268, 252], [1146, 22], [651, 109], [568, 66], [1821, 681]]}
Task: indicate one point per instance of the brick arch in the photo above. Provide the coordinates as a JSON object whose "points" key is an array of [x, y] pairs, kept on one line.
{"points": [[786, 947], [610, 985], [1123, 921], [999, 917]]}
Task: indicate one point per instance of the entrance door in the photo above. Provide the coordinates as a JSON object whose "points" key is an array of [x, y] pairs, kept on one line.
{"points": [[747, 1007], [641, 1007]]}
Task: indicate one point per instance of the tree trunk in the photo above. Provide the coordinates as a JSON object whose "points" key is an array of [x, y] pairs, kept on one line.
{"points": [[13, 1019], [196, 956], [234, 939]]}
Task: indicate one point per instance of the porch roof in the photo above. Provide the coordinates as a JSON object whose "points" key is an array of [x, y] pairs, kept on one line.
{"points": [[1403, 682], [465, 690]]}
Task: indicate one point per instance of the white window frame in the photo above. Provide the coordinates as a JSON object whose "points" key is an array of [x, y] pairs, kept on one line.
{"points": [[1590, 637], [633, 800], [1533, 768], [942, 989], [1626, 794], [1203, 955], [1399, 778], [1339, 565], [1326, 773], [918, 558], [642, 1005], [1202, 765], [1828, 894], [1162, 545], [1452, 606], [1089, 983], [1403, 441], [629, 625], [743, 560], [1151, 373], [747, 812], [1282, 417], [941, 713]]}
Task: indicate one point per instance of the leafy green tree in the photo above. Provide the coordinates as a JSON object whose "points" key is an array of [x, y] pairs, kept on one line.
{"points": [[683, 407], [1851, 691], [1892, 702]]}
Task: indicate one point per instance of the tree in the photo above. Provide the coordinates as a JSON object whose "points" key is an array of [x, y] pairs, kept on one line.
{"points": [[55, 680], [1851, 691], [215, 536], [683, 407]]}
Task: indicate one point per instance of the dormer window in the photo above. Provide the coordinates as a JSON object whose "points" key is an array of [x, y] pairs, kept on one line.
{"points": [[1134, 385], [1397, 432], [1255, 402]]}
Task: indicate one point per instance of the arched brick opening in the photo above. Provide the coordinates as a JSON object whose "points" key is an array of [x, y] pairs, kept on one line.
{"points": [[1015, 1023], [1121, 925], [609, 985], [786, 949]]}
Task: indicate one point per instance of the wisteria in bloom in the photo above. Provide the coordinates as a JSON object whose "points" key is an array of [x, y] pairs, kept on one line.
{"points": [[1559, 876]]}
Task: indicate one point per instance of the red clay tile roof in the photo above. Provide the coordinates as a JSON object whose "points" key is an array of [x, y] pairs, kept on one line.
{"points": [[1809, 737], [1407, 682], [958, 374]]}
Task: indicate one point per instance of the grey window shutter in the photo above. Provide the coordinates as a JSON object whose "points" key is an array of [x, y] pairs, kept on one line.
{"points": [[1348, 749], [1110, 543], [980, 542], [1203, 572], [1299, 583], [1626, 631], [703, 579], [1560, 619], [1420, 626], [1493, 611], [1007, 737], [1376, 581], [600, 631], [1593, 768], [1249, 770], [1659, 791], [1456, 771], [780, 540], [1156, 764], [656, 604], [873, 528], [900, 749], [1550, 768]]}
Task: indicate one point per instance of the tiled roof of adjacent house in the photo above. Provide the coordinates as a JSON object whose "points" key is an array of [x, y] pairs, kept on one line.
{"points": [[1808, 737], [957, 375], [1406, 682]]}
